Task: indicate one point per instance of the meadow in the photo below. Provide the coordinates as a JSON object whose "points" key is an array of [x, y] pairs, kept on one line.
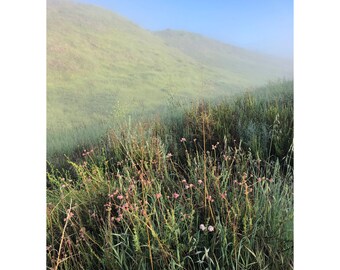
{"points": [[203, 185], [102, 67]]}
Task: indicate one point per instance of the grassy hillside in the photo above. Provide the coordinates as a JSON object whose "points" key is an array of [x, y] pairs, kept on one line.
{"points": [[228, 60], [101, 67], [204, 187]]}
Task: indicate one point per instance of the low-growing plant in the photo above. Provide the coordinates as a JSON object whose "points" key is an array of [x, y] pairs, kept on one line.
{"points": [[187, 192]]}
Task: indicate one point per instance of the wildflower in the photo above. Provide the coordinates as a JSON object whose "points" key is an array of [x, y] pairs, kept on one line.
{"points": [[118, 219], [191, 185], [125, 206], [184, 181], [158, 195], [169, 155], [183, 140], [271, 180], [82, 233], [120, 197], [223, 195], [175, 195], [187, 186], [202, 227], [210, 228], [69, 215], [200, 182], [209, 198]]}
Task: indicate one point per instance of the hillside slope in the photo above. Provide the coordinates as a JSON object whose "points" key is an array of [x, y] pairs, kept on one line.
{"points": [[226, 58], [95, 58], [101, 66]]}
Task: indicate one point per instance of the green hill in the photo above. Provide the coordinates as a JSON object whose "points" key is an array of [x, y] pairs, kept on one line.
{"points": [[101, 66], [228, 60]]}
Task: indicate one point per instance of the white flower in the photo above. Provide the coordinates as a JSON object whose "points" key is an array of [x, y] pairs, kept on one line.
{"points": [[210, 228], [202, 227]]}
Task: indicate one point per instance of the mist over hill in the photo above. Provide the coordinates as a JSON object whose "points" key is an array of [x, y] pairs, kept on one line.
{"points": [[227, 58], [101, 65]]}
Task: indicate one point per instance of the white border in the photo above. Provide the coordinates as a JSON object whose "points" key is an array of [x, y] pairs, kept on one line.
{"points": [[23, 132], [316, 57], [23, 129]]}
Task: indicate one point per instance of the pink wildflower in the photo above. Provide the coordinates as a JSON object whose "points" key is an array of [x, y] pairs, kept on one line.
{"points": [[175, 195], [69, 215], [183, 140], [200, 182], [209, 198], [120, 197], [125, 207], [158, 195]]}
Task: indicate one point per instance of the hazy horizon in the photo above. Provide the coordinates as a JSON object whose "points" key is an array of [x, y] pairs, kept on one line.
{"points": [[262, 26]]}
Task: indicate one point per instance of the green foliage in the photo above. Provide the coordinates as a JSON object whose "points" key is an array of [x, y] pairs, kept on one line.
{"points": [[195, 189]]}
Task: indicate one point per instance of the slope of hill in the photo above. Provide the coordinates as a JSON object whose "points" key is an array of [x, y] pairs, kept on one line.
{"points": [[226, 58], [101, 66]]}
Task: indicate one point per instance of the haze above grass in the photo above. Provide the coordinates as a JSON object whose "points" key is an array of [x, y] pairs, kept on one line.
{"points": [[101, 67]]}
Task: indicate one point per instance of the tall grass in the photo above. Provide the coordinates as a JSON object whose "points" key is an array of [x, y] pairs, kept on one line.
{"points": [[200, 189]]}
